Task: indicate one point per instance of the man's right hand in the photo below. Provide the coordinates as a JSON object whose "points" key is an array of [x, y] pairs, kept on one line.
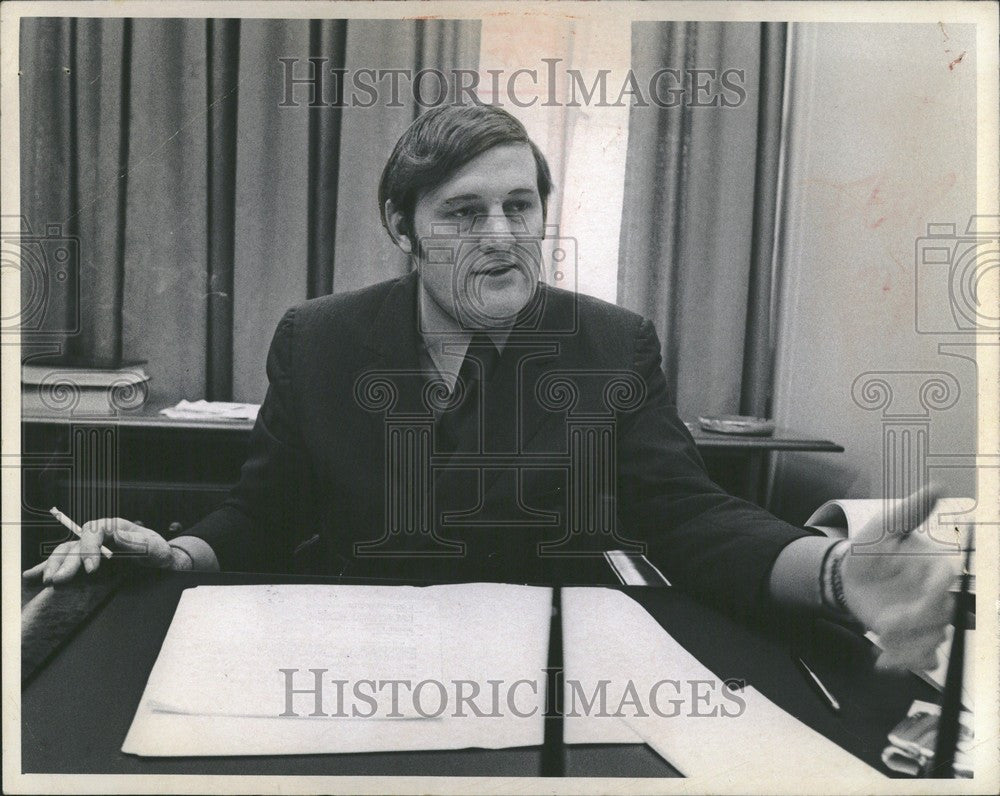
{"points": [[130, 540]]}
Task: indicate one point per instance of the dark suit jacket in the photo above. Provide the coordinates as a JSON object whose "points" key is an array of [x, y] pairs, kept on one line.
{"points": [[345, 472]]}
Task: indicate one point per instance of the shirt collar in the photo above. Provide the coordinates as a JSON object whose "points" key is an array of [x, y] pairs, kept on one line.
{"points": [[438, 329]]}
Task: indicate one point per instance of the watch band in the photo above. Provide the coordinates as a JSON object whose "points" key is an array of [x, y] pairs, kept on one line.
{"points": [[832, 579]]}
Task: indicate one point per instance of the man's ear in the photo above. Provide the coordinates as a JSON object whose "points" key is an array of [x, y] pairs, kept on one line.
{"points": [[398, 227]]}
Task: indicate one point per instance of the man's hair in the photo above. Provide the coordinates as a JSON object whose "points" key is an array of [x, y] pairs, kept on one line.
{"points": [[440, 142]]}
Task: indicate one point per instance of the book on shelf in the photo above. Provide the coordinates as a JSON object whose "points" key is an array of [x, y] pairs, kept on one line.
{"points": [[82, 391]]}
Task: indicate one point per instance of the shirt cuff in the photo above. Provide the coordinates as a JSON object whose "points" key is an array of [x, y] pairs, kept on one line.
{"points": [[202, 555], [796, 577]]}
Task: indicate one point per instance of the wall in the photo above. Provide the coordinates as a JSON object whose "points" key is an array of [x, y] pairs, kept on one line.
{"points": [[881, 141]]}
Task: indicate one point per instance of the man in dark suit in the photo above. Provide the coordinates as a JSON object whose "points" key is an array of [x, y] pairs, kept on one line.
{"points": [[469, 422]]}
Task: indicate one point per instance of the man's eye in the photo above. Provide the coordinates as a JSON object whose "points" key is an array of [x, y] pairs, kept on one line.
{"points": [[518, 206], [460, 212]]}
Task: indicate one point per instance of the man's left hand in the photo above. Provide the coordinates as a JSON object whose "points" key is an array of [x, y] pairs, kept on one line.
{"points": [[897, 583]]}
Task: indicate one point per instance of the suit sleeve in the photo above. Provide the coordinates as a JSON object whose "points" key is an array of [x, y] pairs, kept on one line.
{"points": [[705, 541], [257, 526]]}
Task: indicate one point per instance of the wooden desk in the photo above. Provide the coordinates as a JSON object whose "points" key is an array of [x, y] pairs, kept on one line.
{"points": [[77, 707]]}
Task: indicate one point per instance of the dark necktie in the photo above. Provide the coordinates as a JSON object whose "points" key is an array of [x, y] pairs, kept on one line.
{"points": [[460, 423]]}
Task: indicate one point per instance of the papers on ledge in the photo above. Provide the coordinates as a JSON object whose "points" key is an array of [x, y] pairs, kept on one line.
{"points": [[211, 410]]}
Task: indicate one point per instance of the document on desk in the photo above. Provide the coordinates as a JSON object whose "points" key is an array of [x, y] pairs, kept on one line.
{"points": [[655, 691], [305, 669]]}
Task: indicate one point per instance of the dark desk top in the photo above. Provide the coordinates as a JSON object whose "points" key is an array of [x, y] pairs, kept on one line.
{"points": [[77, 707]]}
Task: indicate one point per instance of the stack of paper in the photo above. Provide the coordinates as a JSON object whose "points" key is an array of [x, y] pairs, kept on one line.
{"points": [[211, 410]]}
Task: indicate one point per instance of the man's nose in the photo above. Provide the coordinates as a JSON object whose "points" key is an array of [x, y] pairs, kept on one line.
{"points": [[497, 231]]}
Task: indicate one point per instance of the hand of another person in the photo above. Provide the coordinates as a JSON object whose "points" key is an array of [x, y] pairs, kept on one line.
{"points": [[131, 541], [897, 583]]}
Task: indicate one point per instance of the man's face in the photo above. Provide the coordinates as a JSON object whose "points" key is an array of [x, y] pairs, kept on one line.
{"points": [[479, 236]]}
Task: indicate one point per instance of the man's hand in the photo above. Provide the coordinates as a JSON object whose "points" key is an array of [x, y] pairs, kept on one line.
{"points": [[896, 582], [133, 541]]}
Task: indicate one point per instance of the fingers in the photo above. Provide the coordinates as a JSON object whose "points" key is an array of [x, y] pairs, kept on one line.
{"points": [[919, 653], [35, 571], [63, 564], [895, 525], [912, 648], [929, 610], [66, 560], [90, 543], [913, 510], [910, 637], [143, 545], [895, 662], [131, 539], [917, 641]]}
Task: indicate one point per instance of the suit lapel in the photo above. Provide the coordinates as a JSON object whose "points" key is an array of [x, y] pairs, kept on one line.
{"points": [[536, 346], [394, 334], [544, 347], [394, 342]]}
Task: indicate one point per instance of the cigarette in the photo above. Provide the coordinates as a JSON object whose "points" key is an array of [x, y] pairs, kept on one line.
{"points": [[67, 522]]}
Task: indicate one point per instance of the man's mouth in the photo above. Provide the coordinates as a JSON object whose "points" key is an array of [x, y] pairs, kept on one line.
{"points": [[496, 269]]}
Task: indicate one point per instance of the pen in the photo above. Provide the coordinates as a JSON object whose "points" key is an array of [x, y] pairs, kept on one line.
{"points": [[67, 522], [946, 742], [821, 689]]}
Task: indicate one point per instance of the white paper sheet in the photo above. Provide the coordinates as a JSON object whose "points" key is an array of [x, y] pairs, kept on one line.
{"points": [[609, 637], [211, 410], [226, 646], [217, 688]]}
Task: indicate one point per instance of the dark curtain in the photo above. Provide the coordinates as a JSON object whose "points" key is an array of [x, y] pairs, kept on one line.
{"points": [[699, 214], [202, 208]]}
